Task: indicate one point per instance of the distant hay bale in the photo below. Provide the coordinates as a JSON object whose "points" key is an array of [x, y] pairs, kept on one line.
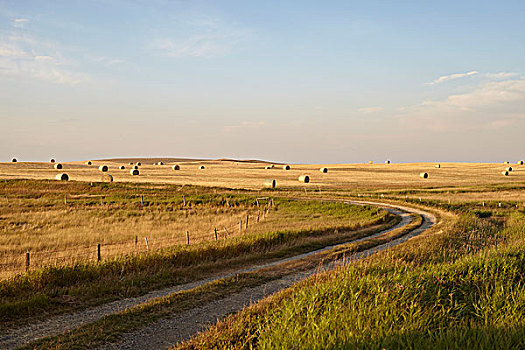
{"points": [[134, 172], [176, 167], [160, 163], [88, 162], [506, 162], [509, 169], [57, 166], [269, 183], [304, 178], [370, 162], [438, 166], [272, 166], [423, 175], [387, 162], [135, 167], [286, 167], [52, 160], [201, 167], [505, 173], [103, 168], [520, 162], [138, 164], [14, 160], [122, 167], [107, 178], [323, 170], [267, 167], [130, 163], [62, 177]]}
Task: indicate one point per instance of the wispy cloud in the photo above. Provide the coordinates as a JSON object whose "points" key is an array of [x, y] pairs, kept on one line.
{"points": [[204, 38], [19, 22], [449, 77], [370, 110], [243, 126]]}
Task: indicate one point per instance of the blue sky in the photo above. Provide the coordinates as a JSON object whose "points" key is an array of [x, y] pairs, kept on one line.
{"points": [[310, 81]]}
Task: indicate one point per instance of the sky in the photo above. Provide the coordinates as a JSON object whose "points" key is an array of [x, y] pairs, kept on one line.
{"points": [[291, 81]]}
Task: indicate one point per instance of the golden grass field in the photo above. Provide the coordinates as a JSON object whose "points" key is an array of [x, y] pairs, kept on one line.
{"points": [[251, 175]]}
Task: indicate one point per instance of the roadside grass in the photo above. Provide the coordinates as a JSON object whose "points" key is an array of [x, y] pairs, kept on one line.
{"points": [[463, 287], [111, 328], [57, 289]]}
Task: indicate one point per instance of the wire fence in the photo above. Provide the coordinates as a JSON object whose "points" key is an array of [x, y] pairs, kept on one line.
{"points": [[138, 245]]}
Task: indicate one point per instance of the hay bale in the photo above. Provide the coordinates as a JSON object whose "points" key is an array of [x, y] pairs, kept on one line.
{"points": [[57, 166], [269, 183], [134, 172], [438, 166], [52, 160], [370, 162], [272, 166], [14, 160], [520, 162], [506, 162], [201, 167], [107, 178], [505, 173], [323, 170], [423, 175], [160, 163], [304, 178], [103, 168], [176, 167], [88, 162], [267, 167], [135, 167], [387, 162], [286, 167], [62, 177], [509, 169], [138, 164], [130, 163], [122, 167]]}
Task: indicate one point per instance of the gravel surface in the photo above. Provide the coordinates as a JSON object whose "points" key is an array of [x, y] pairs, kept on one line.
{"points": [[169, 331]]}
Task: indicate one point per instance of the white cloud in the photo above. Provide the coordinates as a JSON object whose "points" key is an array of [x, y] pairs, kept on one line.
{"points": [[369, 110], [455, 76], [244, 126], [19, 22]]}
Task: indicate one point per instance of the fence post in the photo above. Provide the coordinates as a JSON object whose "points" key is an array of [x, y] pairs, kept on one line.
{"points": [[240, 225], [188, 237], [258, 215], [98, 253], [184, 200], [247, 216], [215, 233], [136, 241], [141, 200], [65, 199], [27, 261], [147, 244]]}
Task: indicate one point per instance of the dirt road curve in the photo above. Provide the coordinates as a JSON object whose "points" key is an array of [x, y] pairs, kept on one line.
{"points": [[182, 326]]}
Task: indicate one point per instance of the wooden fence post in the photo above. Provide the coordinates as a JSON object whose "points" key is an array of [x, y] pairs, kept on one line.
{"points": [[65, 199], [184, 200], [188, 236], [141, 200], [98, 253], [247, 217], [215, 233], [27, 261], [147, 244], [136, 241], [258, 215], [240, 225]]}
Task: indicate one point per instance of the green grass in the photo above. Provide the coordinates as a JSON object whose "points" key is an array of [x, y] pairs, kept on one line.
{"points": [[463, 288]]}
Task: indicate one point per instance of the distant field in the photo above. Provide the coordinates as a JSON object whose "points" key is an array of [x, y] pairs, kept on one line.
{"points": [[251, 175]]}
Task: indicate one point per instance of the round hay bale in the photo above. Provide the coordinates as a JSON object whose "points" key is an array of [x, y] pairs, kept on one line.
{"points": [[304, 178], [103, 168], [88, 162], [506, 162], [160, 163], [201, 167], [272, 166], [52, 160], [387, 162], [135, 167], [520, 162], [62, 177], [14, 160], [134, 172], [269, 183], [423, 175], [438, 166], [138, 163], [176, 167], [505, 173], [267, 167], [370, 162], [286, 167], [323, 170], [122, 167], [57, 166], [130, 163], [107, 178], [509, 169]]}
